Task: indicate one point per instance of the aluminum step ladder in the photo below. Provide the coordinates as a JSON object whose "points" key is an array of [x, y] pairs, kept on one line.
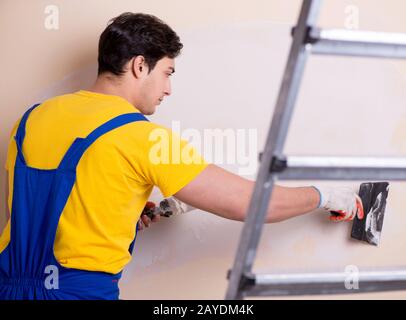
{"points": [[309, 39]]}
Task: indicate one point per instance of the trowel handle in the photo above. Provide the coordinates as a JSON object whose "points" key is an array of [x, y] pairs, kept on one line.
{"points": [[151, 210]]}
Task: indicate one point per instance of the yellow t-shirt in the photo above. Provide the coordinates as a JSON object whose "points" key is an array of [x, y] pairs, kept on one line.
{"points": [[115, 175]]}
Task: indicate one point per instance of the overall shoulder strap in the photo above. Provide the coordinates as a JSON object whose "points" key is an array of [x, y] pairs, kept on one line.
{"points": [[80, 145], [19, 137]]}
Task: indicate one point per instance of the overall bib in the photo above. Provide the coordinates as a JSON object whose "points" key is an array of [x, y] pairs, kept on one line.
{"points": [[28, 267]]}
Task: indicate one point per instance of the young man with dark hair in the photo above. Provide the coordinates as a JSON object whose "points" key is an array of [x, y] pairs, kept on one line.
{"points": [[80, 173]]}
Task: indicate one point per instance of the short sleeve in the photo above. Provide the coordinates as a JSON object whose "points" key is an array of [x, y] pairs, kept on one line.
{"points": [[167, 161], [12, 148]]}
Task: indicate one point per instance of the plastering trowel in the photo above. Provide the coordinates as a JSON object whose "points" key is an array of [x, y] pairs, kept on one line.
{"points": [[167, 207], [373, 196]]}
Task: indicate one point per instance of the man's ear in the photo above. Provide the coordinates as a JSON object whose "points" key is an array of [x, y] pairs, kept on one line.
{"points": [[139, 67]]}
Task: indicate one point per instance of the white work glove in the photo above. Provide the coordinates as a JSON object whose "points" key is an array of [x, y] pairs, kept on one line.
{"points": [[342, 202], [167, 207]]}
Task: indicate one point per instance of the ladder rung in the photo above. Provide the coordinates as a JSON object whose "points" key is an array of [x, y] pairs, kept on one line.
{"points": [[324, 283], [358, 162], [357, 43], [344, 168]]}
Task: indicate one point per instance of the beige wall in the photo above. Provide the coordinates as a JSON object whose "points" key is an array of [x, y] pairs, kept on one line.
{"points": [[231, 65]]}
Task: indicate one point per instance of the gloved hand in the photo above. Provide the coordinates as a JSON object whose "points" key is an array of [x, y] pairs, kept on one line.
{"points": [[145, 221], [342, 202]]}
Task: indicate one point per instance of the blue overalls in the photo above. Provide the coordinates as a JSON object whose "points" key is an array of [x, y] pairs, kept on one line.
{"points": [[28, 267]]}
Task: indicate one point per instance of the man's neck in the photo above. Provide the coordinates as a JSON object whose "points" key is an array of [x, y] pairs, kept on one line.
{"points": [[111, 86]]}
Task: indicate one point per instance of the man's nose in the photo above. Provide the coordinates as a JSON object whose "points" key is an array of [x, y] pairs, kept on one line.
{"points": [[168, 89]]}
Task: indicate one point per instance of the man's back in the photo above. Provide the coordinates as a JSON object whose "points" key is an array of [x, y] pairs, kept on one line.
{"points": [[114, 177]]}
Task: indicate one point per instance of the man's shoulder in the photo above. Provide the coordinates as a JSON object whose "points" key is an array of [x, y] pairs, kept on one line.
{"points": [[149, 127], [57, 99]]}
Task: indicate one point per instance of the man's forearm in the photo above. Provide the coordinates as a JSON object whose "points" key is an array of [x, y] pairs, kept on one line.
{"points": [[228, 195], [289, 202]]}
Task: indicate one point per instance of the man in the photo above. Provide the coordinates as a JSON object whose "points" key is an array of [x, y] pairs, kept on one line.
{"points": [[81, 169]]}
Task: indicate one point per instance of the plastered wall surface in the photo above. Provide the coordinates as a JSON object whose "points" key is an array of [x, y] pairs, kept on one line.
{"points": [[228, 77]]}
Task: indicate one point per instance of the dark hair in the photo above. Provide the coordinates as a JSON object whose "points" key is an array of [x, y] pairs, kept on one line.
{"points": [[133, 34]]}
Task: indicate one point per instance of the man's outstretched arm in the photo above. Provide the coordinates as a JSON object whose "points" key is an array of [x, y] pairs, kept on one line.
{"points": [[228, 195]]}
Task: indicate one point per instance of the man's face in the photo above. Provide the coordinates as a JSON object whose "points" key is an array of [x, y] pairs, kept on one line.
{"points": [[155, 85]]}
